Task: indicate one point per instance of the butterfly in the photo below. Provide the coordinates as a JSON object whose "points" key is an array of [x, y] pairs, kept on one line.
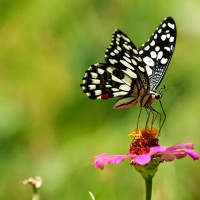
{"points": [[132, 73]]}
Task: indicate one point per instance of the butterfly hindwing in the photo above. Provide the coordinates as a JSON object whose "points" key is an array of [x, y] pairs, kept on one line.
{"points": [[156, 53], [102, 81]]}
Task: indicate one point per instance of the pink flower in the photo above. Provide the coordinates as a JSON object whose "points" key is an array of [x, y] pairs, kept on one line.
{"points": [[157, 152], [144, 149]]}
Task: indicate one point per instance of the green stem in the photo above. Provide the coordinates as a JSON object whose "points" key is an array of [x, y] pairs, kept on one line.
{"points": [[148, 186], [35, 197], [35, 194]]}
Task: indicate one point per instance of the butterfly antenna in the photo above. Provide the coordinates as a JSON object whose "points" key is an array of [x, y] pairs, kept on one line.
{"points": [[163, 89]]}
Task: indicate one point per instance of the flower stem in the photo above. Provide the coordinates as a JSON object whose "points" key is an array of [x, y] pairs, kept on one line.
{"points": [[148, 186], [35, 197], [35, 194]]}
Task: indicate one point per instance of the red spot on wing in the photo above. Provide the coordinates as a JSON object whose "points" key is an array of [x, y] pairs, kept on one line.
{"points": [[105, 96]]}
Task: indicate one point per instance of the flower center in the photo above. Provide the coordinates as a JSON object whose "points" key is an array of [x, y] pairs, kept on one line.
{"points": [[143, 139]]}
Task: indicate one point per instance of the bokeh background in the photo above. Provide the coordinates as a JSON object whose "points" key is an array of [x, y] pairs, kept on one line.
{"points": [[48, 127]]}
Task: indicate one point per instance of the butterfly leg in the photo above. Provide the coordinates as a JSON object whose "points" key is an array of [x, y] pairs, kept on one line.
{"points": [[139, 116], [149, 113], [155, 114], [164, 114]]}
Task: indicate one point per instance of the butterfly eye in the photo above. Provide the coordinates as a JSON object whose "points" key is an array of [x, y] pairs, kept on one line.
{"points": [[119, 74], [158, 96]]}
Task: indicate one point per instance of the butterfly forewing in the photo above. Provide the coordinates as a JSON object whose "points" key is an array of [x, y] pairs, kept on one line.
{"points": [[123, 55], [156, 53]]}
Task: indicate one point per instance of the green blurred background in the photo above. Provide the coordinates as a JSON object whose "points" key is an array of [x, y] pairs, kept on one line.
{"points": [[48, 127]]}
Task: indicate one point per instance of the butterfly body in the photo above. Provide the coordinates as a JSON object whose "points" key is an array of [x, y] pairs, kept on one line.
{"points": [[130, 73]]}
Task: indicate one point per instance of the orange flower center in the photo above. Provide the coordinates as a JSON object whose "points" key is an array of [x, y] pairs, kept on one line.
{"points": [[143, 139]]}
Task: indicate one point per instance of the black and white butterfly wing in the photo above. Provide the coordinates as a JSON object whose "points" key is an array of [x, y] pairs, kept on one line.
{"points": [[123, 55], [157, 52], [102, 81], [123, 74]]}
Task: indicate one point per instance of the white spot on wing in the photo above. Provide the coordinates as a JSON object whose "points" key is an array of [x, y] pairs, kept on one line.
{"points": [[171, 39], [141, 68], [157, 48], [113, 61], [116, 94], [171, 25], [116, 51], [127, 59], [86, 75], [137, 58], [164, 61], [134, 62], [126, 64], [168, 35], [117, 39], [155, 36], [141, 52], [115, 89], [147, 48], [112, 54], [160, 55], [163, 37], [124, 87], [130, 73], [148, 61], [119, 48], [126, 46], [152, 43], [100, 71], [114, 78], [94, 75], [149, 70], [153, 54], [167, 48], [125, 38], [92, 87], [97, 92], [95, 81], [135, 51]]}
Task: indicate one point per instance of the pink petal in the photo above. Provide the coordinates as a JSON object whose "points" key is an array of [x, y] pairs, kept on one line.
{"points": [[104, 159], [142, 159], [180, 151], [187, 145], [192, 154], [168, 157], [146, 158]]}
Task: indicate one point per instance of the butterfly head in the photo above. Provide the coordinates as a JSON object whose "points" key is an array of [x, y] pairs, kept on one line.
{"points": [[155, 95]]}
